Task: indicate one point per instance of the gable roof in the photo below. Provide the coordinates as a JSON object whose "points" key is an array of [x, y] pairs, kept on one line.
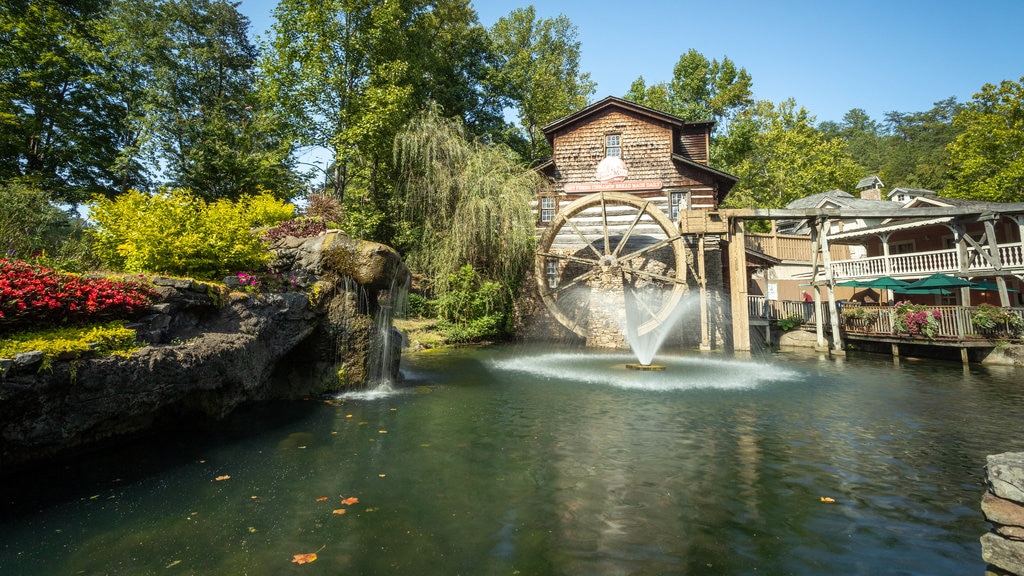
{"points": [[614, 102], [870, 182], [911, 191]]}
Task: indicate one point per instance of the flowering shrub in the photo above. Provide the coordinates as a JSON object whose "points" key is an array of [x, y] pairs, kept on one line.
{"points": [[255, 282], [916, 320], [299, 228], [32, 295]]}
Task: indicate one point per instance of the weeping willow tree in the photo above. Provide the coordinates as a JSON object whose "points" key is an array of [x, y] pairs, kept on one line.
{"points": [[469, 203]]}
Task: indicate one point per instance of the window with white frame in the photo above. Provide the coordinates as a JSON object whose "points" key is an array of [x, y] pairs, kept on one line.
{"points": [[677, 203], [552, 273], [547, 208], [613, 145]]}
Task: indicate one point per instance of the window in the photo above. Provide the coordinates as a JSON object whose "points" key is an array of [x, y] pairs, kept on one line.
{"points": [[905, 247], [547, 208], [677, 203], [612, 145], [552, 273]]}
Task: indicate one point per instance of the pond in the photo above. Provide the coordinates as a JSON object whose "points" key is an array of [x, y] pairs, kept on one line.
{"points": [[527, 460]]}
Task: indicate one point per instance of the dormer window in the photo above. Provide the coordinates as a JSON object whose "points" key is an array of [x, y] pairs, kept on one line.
{"points": [[612, 145]]}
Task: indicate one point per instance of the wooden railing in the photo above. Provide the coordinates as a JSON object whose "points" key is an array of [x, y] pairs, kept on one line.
{"points": [[953, 322], [925, 263], [790, 246], [761, 308]]}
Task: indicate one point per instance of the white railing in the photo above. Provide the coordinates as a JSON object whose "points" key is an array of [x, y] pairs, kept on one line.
{"points": [[925, 263]]}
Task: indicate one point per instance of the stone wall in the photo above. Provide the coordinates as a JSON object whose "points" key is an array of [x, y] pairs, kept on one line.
{"points": [[1003, 506]]}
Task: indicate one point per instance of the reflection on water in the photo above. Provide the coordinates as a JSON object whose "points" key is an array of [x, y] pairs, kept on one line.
{"points": [[514, 460]]}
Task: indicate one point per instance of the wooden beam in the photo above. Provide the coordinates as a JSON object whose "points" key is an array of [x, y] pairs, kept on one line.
{"points": [[910, 213], [738, 285], [837, 340]]}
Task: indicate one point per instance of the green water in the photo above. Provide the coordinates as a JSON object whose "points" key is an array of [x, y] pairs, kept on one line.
{"points": [[516, 460]]}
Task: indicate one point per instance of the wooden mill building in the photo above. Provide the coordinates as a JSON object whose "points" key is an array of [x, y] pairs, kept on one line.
{"points": [[620, 179]]}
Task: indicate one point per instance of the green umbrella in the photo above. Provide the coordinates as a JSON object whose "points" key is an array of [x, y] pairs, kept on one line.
{"points": [[987, 286], [885, 283], [922, 291], [939, 281]]}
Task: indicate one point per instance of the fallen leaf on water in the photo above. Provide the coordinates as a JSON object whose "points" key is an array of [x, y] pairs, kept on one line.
{"points": [[348, 415], [222, 478], [173, 564], [306, 558], [253, 530], [382, 475], [339, 511], [382, 431], [828, 500], [322, 499], [350, 501]]}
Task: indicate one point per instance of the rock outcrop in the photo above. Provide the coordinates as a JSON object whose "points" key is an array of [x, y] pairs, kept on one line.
{"points": [[212, 347], [1003, 506]]}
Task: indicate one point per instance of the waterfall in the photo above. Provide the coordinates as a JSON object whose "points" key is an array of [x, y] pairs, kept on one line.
{"points": [[385, 340]]}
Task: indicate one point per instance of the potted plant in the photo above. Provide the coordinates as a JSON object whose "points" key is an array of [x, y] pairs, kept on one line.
{"points": [[993, 321], [859, 317], [916, 320]]}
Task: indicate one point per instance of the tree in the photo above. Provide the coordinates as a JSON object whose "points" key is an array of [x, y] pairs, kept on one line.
{"points": [[700, 89], [60, 120], [782, 157], [210, 130], [987, 157], [469, 202], [338, 72], [537, 73], [915, 151], [864, 137]]}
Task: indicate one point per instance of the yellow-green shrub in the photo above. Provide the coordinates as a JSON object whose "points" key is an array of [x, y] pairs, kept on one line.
{"points": [[174, 232], [109, 338]]}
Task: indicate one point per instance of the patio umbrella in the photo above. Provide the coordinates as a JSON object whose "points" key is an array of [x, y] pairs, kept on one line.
{"points": [[849, 284], [885, 283], [922, 291], [987, 286], [939, 281]]}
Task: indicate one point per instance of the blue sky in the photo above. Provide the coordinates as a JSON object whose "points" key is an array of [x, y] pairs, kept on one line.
{"points": [[879, 55]]}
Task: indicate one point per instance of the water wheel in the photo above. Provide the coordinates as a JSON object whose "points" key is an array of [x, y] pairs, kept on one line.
{"points": [[611, 239]]}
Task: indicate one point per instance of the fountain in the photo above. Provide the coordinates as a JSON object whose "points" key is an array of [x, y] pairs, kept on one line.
{"points": [[646, 345]]}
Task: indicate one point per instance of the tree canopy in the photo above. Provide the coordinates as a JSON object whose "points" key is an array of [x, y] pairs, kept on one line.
{"points": [[700, 89], [537, 72], [987, 156]]}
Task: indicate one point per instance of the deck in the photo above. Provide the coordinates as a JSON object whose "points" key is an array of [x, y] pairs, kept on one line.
{"points": [[952, 328]]}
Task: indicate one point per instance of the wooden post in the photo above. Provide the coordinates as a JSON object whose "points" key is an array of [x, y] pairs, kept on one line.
{"points": [[702, 281], [818, 316], [1004, 297], [837, 340], [738, 283]]}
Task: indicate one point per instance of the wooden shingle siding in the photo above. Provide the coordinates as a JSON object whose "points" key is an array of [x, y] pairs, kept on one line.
{"points": [[647, 148], [693, 142]]}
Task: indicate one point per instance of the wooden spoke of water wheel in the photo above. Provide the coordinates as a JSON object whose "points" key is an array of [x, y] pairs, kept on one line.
{"points": [[599, 227]]}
